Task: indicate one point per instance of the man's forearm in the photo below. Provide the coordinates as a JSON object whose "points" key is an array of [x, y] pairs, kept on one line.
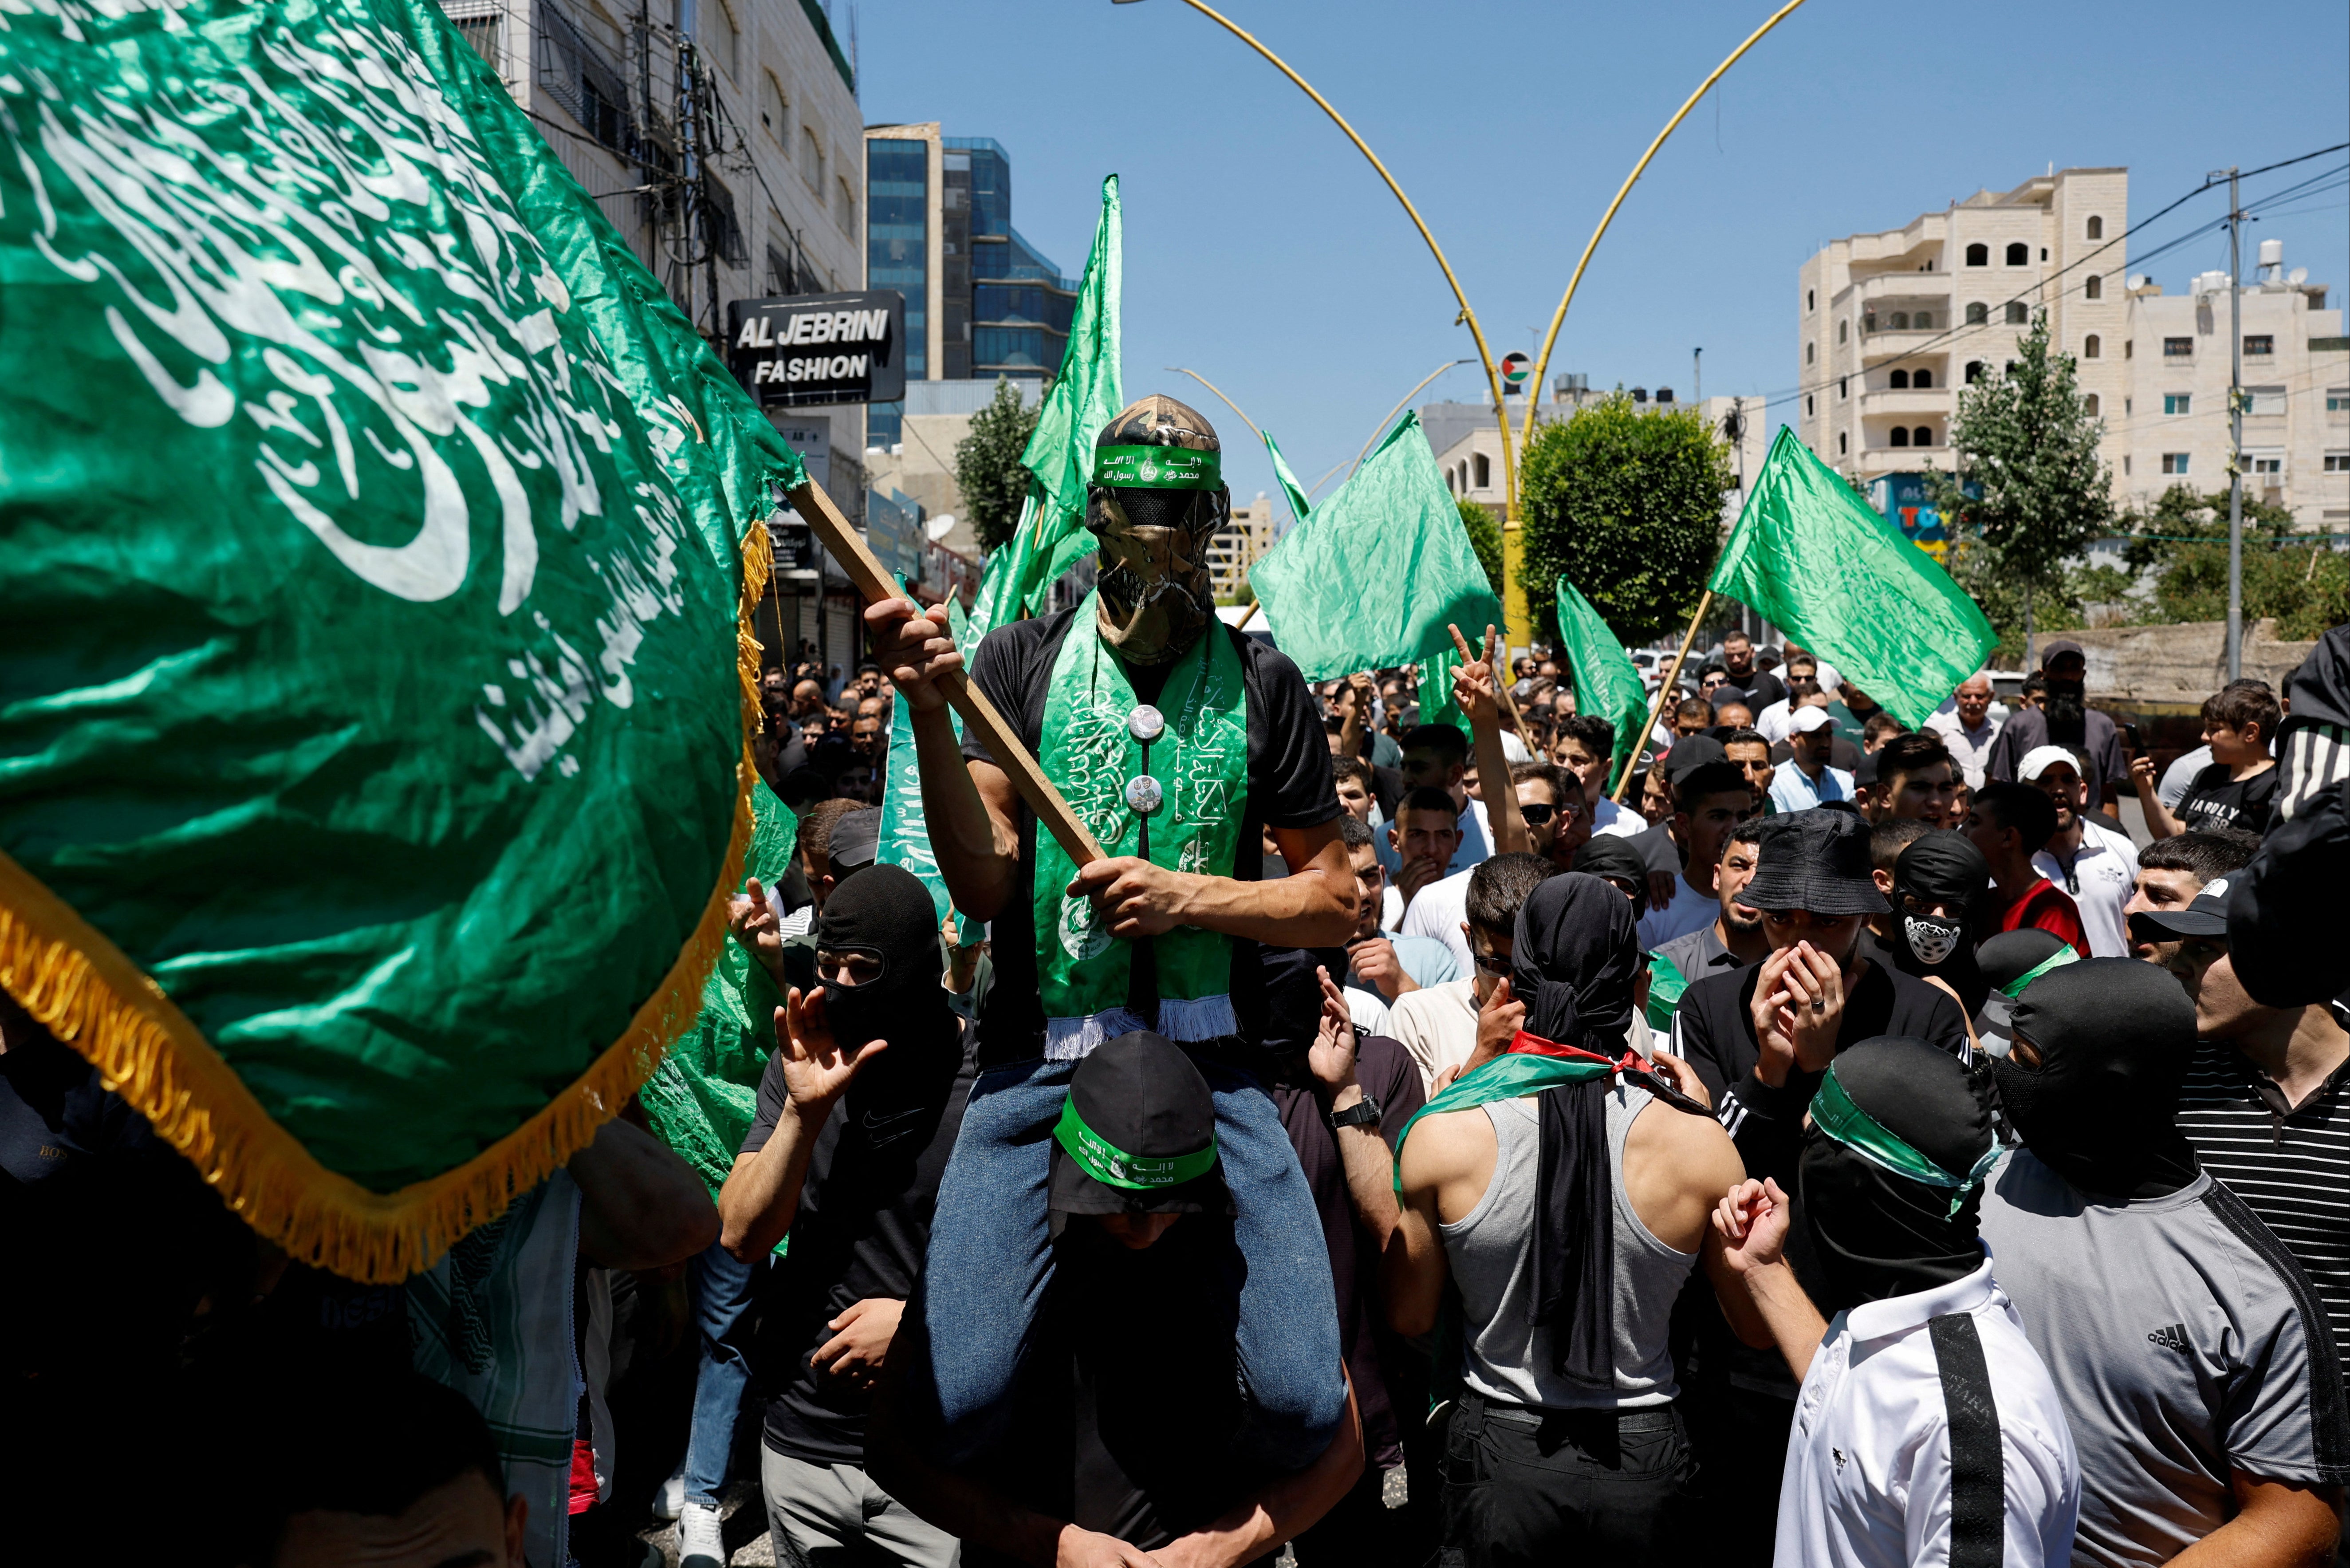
{"points": [[1304, 910], [1279, 1510], [1501, 813], [2278, 1524], [762, 1194], [977, 855], [1795, 1322], [1369, 1167]]}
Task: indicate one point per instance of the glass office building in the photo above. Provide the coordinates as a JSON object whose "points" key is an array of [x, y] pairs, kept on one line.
{"points": [[898, 205]]}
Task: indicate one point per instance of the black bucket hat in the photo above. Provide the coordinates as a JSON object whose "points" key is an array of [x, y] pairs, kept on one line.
{"points": [[1819, 861], [1138, 1134]]}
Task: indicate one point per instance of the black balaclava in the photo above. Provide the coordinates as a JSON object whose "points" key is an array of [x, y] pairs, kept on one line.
{"points": [[884, 912], [1942, 867], [1612, 856], [1573, 966], [1876, 1234], [2114, 1037], [1156, 499]]}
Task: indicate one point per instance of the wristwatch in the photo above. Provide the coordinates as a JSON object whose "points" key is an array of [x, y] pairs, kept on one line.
{"points": [[1363, 1113]]}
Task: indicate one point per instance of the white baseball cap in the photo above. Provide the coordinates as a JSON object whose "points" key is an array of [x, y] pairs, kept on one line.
{"points": [[2040, 759], [1803, 721]]}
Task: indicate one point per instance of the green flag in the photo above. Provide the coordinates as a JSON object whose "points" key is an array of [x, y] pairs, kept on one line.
{"points": [[1371, 578], [1084, 396], [1298, 505], [1812, 556], [376, 538], [1606, 683]]}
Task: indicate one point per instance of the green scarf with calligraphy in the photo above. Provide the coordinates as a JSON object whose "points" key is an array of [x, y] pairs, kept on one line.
{"points": [[1200, 764]]}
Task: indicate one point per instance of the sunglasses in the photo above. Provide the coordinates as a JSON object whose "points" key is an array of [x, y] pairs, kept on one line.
{"points": [[1536, 813], [1492, 964]]}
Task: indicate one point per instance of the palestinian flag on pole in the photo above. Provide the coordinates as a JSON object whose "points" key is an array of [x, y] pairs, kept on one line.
{"points": [[377, 541]]}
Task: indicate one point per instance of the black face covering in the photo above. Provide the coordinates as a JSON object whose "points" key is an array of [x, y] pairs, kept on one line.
{"points": [[2114, 1037], [1876, 1234], [884, 912], [2066, 707], [1573, 962], [1942, 867]]}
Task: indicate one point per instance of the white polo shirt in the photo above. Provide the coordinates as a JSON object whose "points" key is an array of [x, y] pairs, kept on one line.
{"points": [[1869, 1460], [2099, 880]]}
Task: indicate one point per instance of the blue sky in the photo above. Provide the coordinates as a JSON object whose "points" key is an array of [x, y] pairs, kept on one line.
{"points": [[1262, 251]]}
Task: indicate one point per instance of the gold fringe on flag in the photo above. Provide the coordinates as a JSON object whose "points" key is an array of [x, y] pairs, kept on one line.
{"points": [[81, 988]]}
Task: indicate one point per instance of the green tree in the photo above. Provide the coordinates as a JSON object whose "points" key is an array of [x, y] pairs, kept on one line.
{"points": [[987, 464], [2031, 493], [2302, 579], [1485, 538], [1627, 507]]}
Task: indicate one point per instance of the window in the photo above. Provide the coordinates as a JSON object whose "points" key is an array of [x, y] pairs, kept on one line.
{"points": [[1809, 408], [844, 207], [2125, 465], [1841, 327], [1484, 467], [1922, 436], [1811, 353], [2092, 346], [1900, 321], [2129, 348], [2174, 462], [1843, 392], [2271, 463], [2337, 463], [725, 40], [2019, 255], [1899, 382], [1974, 371], [1868, 322], [2043, 252], [1979, 256], [1922, 378], [811, 158], [2094, 289], [1900, 436], [1841, 443], [2095, 230], [2090, 406], [1922, 320], [2259, 347], [2177, 402], [775, 109], [2179, 347], [2017, 314], [2338, 400], [1809, 299], [2126, 405], [1978, 314], [2264, 399]]}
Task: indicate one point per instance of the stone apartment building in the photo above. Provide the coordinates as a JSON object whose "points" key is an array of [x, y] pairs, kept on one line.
{"points": [[1892, 325]]}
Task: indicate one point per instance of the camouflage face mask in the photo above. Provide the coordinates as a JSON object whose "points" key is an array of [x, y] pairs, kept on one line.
{"points": [[1153, 591]]}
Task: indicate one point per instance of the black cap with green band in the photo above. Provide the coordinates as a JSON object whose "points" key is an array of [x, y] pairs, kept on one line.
{"points": [[1137, 1133]]}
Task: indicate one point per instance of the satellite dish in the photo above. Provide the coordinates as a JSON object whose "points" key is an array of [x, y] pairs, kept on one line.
{"points": [[2298, 276], [938, 528]]}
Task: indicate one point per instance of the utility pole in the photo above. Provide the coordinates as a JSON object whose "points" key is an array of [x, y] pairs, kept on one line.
{"points": [[2235, 433]]}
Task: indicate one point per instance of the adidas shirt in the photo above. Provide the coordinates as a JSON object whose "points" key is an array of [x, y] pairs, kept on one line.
{"points": [[2184, 1343]]}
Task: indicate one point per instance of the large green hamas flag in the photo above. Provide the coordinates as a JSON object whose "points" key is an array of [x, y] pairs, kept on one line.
{"points": [[374, 535]]}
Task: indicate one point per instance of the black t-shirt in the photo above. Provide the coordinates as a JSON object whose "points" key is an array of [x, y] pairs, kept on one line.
{"points": [[2215, 799], [1762, 689], [1713, 1033], [863, 1225], [2027, 729], [1289, 785], [1389, 1076], [1128, 1406]]}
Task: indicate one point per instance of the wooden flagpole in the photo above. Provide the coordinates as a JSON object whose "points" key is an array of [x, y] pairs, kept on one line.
{"points": [[1664, 690], [1002, 741]]}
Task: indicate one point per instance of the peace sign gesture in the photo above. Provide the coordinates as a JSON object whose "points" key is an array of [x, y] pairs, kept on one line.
{"points": [[1475, 685]]}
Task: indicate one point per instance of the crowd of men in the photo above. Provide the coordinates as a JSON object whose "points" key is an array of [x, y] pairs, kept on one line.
{"points": [[1852, 1147]]}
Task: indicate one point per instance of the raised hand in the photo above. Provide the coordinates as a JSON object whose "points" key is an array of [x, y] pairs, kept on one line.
{"points": [[1498, 1022], [1751, 1221], [1375, 963], [1814, 988], [1331, 1057], [1474, 681], [1773, 1018], [816, 1070], [751, 919]]}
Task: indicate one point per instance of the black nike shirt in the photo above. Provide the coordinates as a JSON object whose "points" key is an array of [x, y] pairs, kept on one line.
{"points": [[862, 1227]]}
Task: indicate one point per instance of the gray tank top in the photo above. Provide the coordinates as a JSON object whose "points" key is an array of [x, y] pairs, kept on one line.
{"points": [[1491, 1253]]}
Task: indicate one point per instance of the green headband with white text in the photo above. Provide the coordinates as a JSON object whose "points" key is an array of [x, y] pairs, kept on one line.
{"points": [[2057, 959], [1157, 468], [1113, 1166]]}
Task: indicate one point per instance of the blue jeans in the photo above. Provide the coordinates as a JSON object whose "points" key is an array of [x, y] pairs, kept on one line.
{"points": [[721, 1310], [990, 1258]]}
